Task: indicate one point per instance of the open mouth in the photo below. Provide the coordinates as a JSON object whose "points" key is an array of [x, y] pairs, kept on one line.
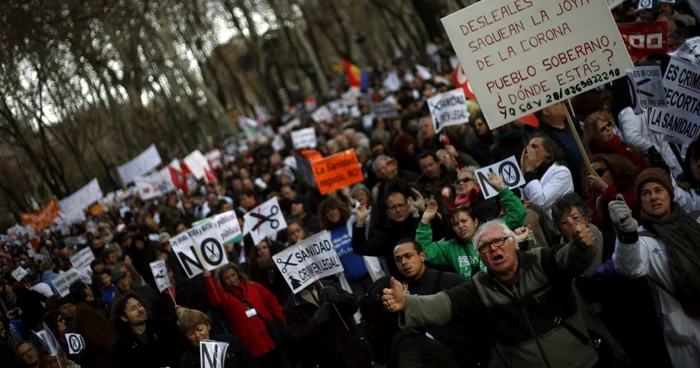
{"points": [[498, 258]]}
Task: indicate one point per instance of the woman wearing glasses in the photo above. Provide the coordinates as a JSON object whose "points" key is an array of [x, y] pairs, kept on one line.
{"points": [[613, 175], [599, 133], [459, 253]]}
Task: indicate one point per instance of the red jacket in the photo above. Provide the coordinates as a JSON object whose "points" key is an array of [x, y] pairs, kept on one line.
{"points": [[615, 145], [601, 215], [250, 330]]}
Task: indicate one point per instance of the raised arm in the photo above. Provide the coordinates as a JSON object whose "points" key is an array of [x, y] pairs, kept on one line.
{"points": [[515, 211], [435, 251], [631, 257]]}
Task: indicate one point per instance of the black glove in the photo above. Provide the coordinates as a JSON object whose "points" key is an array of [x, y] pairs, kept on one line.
{"points": [[323, 314], [657, 160], [329, 294]]}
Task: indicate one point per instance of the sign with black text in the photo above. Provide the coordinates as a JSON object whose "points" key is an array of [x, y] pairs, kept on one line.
{"points": [[228, 225], [648, 87], [510, 170], [308, 261], [448, 108], [199, 248], [82, 258], [160, 274], [383, 110], [64, 280], [212, 354], [676, 123], [304, 138]]}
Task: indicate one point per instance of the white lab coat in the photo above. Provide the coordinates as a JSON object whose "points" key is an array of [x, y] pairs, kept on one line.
{"points": [[648, 258], [555, 182], [635, 131], [687, 199]]}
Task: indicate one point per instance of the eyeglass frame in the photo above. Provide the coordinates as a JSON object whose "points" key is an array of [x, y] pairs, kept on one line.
{"points": [[486, 247]]}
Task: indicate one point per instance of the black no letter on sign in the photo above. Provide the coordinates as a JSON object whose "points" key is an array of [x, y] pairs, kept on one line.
{"points": [[211, 251], [510, 172]]}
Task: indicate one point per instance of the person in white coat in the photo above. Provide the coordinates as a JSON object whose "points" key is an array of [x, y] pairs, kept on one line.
{"points": [[688, 197], [665, 251], [542, 162]]}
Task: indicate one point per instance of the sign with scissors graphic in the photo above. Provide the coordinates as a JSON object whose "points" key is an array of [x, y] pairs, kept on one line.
{"points": [[310, 260], [264, 220]]}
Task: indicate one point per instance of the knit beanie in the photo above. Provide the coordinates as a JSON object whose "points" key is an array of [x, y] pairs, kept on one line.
{"points": [[656, 175]]}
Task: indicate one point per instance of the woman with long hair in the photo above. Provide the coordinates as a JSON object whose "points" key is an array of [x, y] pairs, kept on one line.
{"points": [[395, 347], [599, 133], [613, 175]]}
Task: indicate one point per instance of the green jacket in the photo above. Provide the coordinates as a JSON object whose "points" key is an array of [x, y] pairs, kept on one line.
{"points": [[461, 255]]}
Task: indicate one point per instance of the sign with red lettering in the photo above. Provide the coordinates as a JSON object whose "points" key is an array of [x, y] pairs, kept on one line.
{"points": [[524, 55], [644, 38]]}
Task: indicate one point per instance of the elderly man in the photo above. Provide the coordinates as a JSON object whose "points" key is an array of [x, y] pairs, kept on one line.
{"points": [[525, 299], [386, 170]]}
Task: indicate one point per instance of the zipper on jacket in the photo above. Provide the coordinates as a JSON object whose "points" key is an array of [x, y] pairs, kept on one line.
{"points": [[532, 330]]}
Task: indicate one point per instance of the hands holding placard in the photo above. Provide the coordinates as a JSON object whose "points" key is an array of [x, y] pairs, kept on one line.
{"points": [[496, 181]]}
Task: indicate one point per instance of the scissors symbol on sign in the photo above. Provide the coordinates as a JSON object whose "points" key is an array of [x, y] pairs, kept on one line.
{"points": [[274, 223], [286, 263]]}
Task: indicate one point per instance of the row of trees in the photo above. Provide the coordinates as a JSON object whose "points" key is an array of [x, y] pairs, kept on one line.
{"points": [[86, 85]]}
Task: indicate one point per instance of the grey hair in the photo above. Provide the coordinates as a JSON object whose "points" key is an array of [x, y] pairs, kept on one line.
{"points": [[469, 169], [377, 160], [490, 224]]}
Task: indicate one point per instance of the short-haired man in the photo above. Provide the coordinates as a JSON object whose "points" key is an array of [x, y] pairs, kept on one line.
{"points": [[27, 354]]}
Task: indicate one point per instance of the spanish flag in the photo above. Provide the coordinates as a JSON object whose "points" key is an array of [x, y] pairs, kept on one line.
{"points": [[356, 77]]}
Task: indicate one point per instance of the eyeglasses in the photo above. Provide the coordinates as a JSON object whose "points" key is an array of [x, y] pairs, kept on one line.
{"points": [[463, 180], [606, 127], [485, 247], [397, 207], [601, 171]]}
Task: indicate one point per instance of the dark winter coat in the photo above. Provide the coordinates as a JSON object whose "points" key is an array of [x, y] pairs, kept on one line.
{"points": [[165, 345], [98, 333]]}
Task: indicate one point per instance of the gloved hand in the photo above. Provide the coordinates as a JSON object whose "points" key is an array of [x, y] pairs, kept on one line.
{"points": [[329, 294], [621, 215], [323, 314]]}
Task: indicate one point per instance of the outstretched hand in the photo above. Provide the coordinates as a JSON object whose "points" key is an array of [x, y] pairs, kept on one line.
{"points": [[419, 202], [394, 300]]}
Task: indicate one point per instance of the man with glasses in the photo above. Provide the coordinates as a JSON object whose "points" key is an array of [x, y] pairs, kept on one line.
{"points": [[386, 169], [525, 299], [27, 354]]}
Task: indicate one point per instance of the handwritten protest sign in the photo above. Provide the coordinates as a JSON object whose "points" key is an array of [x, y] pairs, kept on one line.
{"points": [[140, 165], [160, 274], [449, 108], [682, 90], [265, 220], [82, 258], [510, 170], [63, 282], [19, 273], [524, 55], [308, 261], [229, 229], [647, 87], [337, 171], [304, 138]]}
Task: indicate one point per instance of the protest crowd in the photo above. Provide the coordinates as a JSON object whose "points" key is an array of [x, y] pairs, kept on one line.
{"points": [[394, 224]]}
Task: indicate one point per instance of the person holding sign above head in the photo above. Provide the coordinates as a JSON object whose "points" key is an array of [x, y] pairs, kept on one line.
{"points": [[543, 164], [196, 327], [317, 336], [252, 311], [459, 253]]}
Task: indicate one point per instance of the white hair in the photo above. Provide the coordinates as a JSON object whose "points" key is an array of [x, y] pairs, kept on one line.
{"points": [[487, 225]]}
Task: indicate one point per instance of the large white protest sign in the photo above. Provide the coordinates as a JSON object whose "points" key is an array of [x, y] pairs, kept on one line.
{"points": [[140, 165], [449, 108], [48, 341], [682, 91], [383, 110], [510, 170], [322, 114], [64, 281], [160, 274], [310, 260], [197, 164], [208, 245], [676, 123], [82, 258], [72, 206], [304, 138], [264, 220], [524, 55], [212, 354], [19, 273], [155, 185], [228, 225], [647, 87], [75, 342], [184, 249]]}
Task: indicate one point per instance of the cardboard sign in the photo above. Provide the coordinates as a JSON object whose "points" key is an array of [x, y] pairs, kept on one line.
{"points": [[72, 206], [449, 108], [264, 220], [648, 87], [43, 218], [19, 273], [64, 280], [140, 165], [308, 261], [643, 39], [338, 171], [278, 144], [510, 170], [524, 55], [676, 123], [160, 274], [155, 185], [212, 354], [322, 114], [383, 110], [83, 258], [304, 138], [229, 229], [75, 342], [682, 90]]}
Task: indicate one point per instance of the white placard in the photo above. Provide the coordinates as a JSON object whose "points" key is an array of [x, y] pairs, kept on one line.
{"points": [[48, 340], [212, 354], [75, 342], [264, 220], [286, 128], [676, 123], [72, 206], [648, 82], [308, 261], [383, 110], [350, 97], [140, 165], [64, 280], [19, 273], [209, 246], [278, 143], [155, 185], [228, 225], [160, 274], [322, 114], [392, 83], [304, 138], [448, 108], [82, 258], [510, 170], [524, 55], [184, 249], [197, 163], [214, 158], [689, 51]]}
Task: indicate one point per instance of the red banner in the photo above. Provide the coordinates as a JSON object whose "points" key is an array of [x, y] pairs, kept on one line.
{"points": [[42, 219], [644, 38]]}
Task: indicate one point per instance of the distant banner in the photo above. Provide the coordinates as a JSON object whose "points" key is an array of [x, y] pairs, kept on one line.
{"points": [[643, 39], [214, 158], [304, 138], [144, 163], [383, 110], [337, 171], [449, 108], [311, 260], [43, 218], [322, 114], [72, 206], [197, 164], [156, 184]]}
